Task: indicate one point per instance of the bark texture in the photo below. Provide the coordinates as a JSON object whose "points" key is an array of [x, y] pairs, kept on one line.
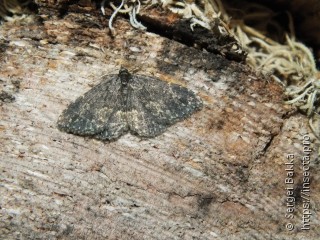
{"points": [[220, 174]]}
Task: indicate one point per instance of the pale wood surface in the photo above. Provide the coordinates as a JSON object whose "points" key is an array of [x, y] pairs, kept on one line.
{"points": [[217, 175]]}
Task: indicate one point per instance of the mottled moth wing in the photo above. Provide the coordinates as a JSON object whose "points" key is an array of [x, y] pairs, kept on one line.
{"points": [[155, 105], [98, 112]]}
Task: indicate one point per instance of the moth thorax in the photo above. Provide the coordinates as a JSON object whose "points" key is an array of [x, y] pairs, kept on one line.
{"points": [[125, 76]]}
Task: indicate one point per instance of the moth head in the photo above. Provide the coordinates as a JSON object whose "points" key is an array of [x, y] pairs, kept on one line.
{"points": [[124, 76]]}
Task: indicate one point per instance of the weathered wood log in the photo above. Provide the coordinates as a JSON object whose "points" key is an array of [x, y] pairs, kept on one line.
{"points": [[220, 174]]}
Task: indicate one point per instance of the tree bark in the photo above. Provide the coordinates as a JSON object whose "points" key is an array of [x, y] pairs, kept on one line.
{"points": [[220, 174]]}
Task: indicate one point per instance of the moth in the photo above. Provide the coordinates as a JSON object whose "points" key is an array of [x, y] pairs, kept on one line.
{"points": [[142, 105]]}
